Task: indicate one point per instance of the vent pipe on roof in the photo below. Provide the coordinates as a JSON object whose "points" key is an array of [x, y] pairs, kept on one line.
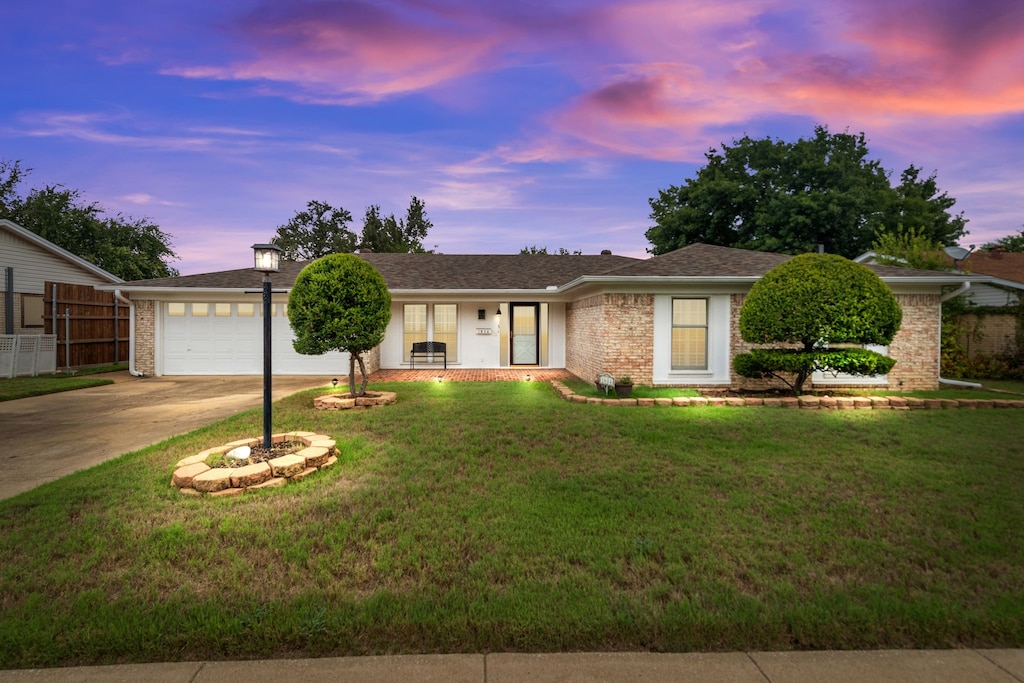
{"points": [[606, 252]]}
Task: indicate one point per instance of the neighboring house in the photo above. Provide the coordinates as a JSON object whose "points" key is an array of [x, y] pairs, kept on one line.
{"points": [[993, 329], [668, 320], [1006, 270], [27, 262], [997, 284]]}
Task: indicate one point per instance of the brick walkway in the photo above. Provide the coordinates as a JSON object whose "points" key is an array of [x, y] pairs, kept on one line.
{"points": [[472, 375]]}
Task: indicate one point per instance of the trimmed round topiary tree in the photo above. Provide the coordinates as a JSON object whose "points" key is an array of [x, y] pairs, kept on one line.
{"points": [[815, 300], [340, 303]]}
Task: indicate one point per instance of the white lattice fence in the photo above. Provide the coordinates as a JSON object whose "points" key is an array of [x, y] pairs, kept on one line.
{"points": [[7, 345], [27, 354]]}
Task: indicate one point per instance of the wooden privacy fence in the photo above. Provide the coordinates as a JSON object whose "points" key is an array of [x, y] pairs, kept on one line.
{"points": [[91, 327]]}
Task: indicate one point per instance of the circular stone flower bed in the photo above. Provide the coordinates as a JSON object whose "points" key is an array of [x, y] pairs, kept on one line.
{"points": [[194, 476], [347, 401]]}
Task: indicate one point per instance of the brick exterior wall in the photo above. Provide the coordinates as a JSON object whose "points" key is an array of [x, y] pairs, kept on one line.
{"points": [[915, 347], [583, 333], [611, 333], [990, 334], [145, 336], [371, 359]]}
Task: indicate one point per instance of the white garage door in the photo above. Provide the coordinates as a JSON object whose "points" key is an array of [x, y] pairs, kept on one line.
{"points": [[227, 339]]}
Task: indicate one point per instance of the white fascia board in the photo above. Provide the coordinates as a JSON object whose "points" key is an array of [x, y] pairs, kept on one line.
{"points": [[537, 294], [658, 280], [1000, 282], [950, 279], [183, 291], [49, 246]]}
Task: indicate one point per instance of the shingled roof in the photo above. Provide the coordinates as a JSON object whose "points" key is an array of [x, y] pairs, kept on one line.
{"points": [[704, 260], [1005, 265], [496, 272], [425, 272]]}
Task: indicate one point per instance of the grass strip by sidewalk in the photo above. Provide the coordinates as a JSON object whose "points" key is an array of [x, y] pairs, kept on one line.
{"points": [[24, 387], [472, 517]]}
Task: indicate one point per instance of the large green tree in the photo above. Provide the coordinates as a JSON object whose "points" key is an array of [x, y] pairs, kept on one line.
{"points": [[812, 301], [321, 229], [1014, 243], [131, 248], [788, 197], [340, 303], [318, 230], [395, 235]]}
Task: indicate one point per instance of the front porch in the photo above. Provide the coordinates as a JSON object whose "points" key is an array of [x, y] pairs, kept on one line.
{"points": [[470, 375]]}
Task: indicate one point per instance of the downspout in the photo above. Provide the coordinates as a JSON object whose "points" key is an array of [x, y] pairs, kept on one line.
{"points": [[131, 332], [944, 298]]}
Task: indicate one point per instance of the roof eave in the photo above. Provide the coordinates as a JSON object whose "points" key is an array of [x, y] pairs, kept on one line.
{"points": [[49, 246]]}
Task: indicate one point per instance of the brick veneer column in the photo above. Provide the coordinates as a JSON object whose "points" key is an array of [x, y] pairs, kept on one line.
{"points": [[584, 333], [629, 336], [916, 345], [145, 336]]}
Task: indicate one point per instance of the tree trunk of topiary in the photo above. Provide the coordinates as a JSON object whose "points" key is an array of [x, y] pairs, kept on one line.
{"points": [[354, 358]]}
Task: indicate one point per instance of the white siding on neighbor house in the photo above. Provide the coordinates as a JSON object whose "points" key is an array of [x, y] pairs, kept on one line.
{"points": [[987, 295], [33, 266]]}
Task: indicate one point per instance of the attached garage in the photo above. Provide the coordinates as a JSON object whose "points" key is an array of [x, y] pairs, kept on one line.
{"points": [[226, 338]]}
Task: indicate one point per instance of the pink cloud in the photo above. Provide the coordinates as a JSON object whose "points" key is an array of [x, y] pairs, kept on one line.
{"points": [[688, 70], [353, 52]]}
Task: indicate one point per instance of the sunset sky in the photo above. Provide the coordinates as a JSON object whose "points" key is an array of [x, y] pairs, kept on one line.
{"points": [[529, 122]]}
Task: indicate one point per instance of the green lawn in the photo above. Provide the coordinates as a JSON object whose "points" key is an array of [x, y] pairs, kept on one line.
{"points": [[495, 517], [23, 387]]}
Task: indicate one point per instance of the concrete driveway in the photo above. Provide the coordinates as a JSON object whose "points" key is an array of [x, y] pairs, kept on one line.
{"points": [[50, 436]]}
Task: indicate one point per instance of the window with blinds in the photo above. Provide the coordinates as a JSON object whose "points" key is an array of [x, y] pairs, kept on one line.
{"points": [[689, 334]]}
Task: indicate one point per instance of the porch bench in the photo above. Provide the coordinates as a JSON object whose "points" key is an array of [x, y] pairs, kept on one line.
{"points": [[427, 349]]}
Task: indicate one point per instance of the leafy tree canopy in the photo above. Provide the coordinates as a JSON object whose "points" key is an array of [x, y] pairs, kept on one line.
{"points": [[562, 251], [394, 236], [131, 248], [339, 303], [322, 229], [771, 195], [909, 248], [1014, 243], [814, 300], [318, 230]]}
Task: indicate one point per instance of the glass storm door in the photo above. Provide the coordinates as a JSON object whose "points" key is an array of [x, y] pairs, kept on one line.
{"points": [[525, 331]]}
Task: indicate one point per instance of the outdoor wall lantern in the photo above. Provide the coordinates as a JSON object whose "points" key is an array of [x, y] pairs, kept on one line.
{"points": [[268, 260], [497, 319]]}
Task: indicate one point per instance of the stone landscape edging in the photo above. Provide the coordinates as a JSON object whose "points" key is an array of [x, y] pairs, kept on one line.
{"points": [[194, 477], [803, 402], [347, 402]]}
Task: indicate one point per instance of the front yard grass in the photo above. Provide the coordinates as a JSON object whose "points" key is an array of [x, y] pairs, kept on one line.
{"points": [[473, 517]]}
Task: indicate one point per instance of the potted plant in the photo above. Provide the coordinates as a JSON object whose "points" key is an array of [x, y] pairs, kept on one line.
{"points": [[623, 387]]}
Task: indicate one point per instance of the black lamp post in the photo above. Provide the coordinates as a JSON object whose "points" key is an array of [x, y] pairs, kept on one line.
{"points": [[268, 260]]}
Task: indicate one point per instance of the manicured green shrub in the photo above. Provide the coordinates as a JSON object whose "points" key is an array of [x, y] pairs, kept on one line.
{"points": [[339, 303], [814, 300]]}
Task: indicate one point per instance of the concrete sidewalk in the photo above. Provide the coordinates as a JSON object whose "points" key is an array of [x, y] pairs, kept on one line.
{"points": [[903, 666]]}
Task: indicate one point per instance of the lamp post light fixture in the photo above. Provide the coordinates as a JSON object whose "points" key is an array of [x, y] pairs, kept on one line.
{"points": [[267, 261]]}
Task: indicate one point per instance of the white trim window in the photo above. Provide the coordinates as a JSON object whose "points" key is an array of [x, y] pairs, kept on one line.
{"points": [[691, 338], [430, 322], [689, 334]]}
